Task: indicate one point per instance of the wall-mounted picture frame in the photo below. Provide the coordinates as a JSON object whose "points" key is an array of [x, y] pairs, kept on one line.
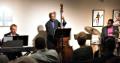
{"points": [[6, 18], [116, 15], [98, 18]]}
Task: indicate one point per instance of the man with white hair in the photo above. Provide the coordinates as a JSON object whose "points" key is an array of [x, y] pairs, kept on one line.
{"points": [[41, 33]]}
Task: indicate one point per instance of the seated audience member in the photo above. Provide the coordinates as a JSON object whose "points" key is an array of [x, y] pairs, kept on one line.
{"points": [[44, 55], [3, 59], [25, 59], [13, 55], [41, 33], [113, 60], [108, 50], [84, 54]]}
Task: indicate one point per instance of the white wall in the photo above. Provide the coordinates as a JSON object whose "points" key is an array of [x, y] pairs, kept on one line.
{"points": [[28, 14]]}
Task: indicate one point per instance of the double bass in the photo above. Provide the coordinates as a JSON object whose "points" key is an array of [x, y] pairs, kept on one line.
{"points": [[63, 46]]}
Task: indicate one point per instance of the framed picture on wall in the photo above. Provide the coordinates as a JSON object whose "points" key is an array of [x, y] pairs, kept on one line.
{"points": [[6, 18], [116, 15], [97, 18]]}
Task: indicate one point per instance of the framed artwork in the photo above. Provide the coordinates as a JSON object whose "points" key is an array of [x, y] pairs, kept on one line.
{"points": [[97, 18], [116, 15], [6, 18]]}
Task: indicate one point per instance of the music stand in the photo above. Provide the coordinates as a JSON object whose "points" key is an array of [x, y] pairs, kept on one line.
{"points": [[60, 34]]}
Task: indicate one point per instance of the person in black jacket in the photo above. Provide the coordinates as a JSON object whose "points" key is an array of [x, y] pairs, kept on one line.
{"points": [[109, 31], [108, 51], [13, 55], [83, 54]]}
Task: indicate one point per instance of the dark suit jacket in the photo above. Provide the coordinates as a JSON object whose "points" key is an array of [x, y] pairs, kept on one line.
{"points": [[51, 31], [104, 33]]}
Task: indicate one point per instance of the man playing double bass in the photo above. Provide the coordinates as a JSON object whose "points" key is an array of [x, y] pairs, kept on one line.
{"points": [[51, 26]]}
